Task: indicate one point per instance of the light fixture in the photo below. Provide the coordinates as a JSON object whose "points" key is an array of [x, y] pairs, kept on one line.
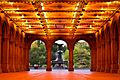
{"points": [[79, 18], [38, 14], [86, 3], [23, 16], [36, 9], [2, 11], [33, 3], [90, 26], [29, 26], [117, 11], [11, 20], [109, 19], [81, 14], [22, 31], [83, 9]]}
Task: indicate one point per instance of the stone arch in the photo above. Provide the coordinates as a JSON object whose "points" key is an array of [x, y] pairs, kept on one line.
{"points": [[5, 46], [114, 45], [11, 48], [107, 48], [102, 36], [43, 54], [91, 40], [81, 55]]}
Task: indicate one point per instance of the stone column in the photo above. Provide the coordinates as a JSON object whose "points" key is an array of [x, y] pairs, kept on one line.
{"points": [[48, 48], [27, 59], [20, 56], [16, 56], [93, 59], [24, 58], [107, 51], [109, 55], [26, 54], [97, 55], [11, 55], [5, 54], [13, 49], [103, 55], [119, 46], [71, 48], [114, 55], [22, 53], [0, 49]]}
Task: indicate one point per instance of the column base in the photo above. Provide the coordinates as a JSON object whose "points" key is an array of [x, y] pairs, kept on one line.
{"points": [[71, 69], [48, 69], [98, 69], [28, 69], [4, 68], [102, 69], [119, 71], [107, 69], [93, 69], [0, 68], [114, 70]]}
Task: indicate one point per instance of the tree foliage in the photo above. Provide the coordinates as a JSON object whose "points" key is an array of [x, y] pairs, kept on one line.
{"points": [[38, 53], [81, 55]]}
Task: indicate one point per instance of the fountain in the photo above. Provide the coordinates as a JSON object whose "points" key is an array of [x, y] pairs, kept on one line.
{"points": [[59, 63]]}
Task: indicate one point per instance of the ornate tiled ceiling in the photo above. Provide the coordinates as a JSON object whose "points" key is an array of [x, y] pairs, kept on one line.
{"points": [[59, 17]]}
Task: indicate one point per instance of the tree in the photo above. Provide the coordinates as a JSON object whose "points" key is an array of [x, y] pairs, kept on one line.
{"points": [[38, 53], [81, 55]]}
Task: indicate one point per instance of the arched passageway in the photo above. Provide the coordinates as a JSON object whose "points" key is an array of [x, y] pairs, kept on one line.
{"points": [[82, 57], [37, 55], [104, 40], [60, 55]]}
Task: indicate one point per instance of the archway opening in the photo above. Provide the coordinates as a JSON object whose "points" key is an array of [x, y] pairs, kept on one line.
{"points": [[37, 55], [60, 55], [82, 58]]}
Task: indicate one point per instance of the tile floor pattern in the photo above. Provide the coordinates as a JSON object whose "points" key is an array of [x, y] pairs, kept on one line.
{"points": [[59, 75]]}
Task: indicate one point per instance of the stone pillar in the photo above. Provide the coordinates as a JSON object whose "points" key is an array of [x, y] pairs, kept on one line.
{"points": [[24, 58], [97, 55], [102, 53], [0, 49], [5, 54], [114, 55], [11, 47], [71, 48], [27, 59], [119, 44], [13, 50], [22, 54], [26, 54], [16, 56], [93, 59], [48, 48], [107, 51]]}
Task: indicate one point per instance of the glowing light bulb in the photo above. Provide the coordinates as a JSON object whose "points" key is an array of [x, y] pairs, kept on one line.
{"points": [[29, 26], [22, 16], [41, 4], [90, 26]]}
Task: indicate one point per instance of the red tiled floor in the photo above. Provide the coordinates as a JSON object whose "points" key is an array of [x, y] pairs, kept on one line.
{"points": [[59, 75]]}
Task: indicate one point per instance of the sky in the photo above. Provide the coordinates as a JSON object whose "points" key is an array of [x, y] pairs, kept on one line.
{"points": [[60, 42], [63, 42]]}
